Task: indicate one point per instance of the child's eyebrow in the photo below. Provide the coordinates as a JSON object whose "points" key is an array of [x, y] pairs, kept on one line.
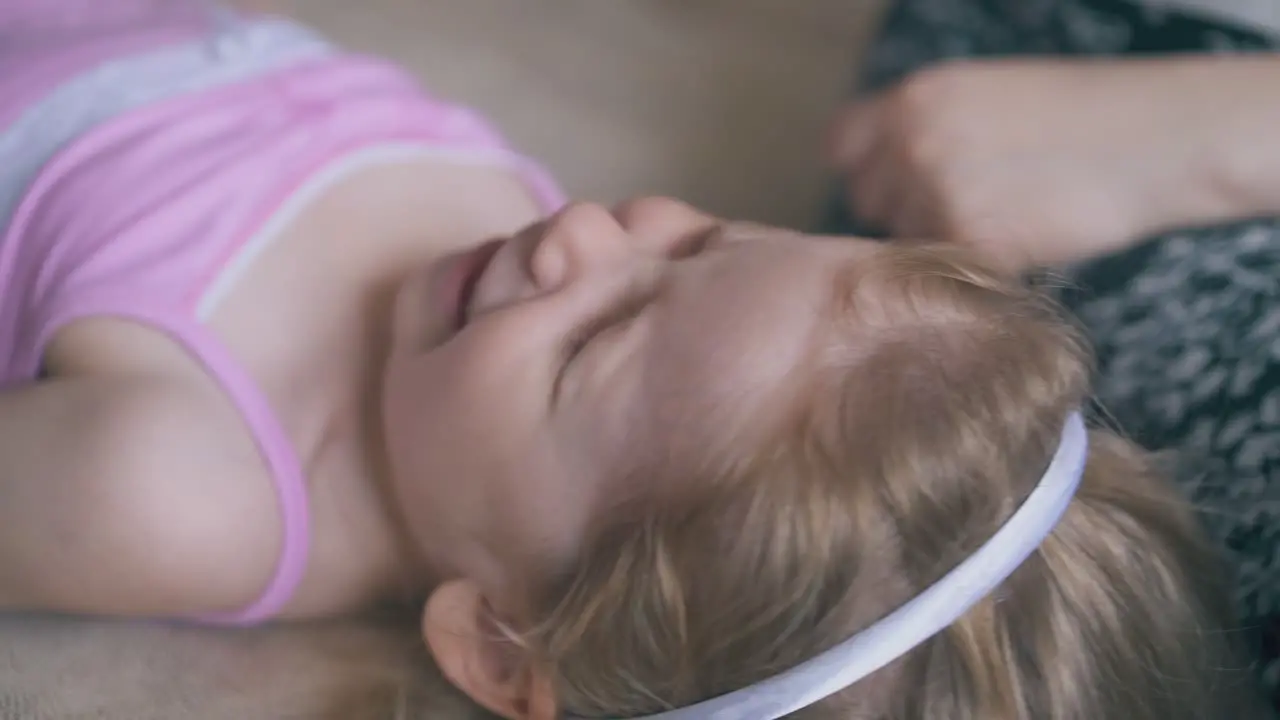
{"points": [[635, 298]]}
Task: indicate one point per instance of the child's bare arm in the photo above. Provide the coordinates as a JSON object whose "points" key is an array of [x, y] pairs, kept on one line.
{"points": [[116, 498]]}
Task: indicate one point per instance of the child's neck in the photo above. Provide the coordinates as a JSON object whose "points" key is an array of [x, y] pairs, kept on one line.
{"points": [[483, 203]]}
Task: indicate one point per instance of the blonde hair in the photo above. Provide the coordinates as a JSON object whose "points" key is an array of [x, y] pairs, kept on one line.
{"points": [[930, 410]]}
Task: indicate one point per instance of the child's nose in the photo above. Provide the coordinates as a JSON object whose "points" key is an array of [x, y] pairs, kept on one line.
{"points": [[579, 239]]}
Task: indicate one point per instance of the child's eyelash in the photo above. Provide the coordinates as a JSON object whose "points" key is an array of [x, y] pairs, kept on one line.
{"points": [[696, 244], [626, 307]]}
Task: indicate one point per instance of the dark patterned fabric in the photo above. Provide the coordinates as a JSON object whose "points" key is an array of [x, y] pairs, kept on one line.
{"points": [[1189, 359], [1187, 325]]}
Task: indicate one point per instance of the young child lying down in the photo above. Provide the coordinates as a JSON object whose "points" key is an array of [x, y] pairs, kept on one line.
{"points": [[286, 337]]}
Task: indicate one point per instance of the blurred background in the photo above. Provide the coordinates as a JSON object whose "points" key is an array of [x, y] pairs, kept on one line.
{"points": [[720, 102]]}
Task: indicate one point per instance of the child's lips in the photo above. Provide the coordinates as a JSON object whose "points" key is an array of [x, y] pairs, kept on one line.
{"points": [[471, 268]]}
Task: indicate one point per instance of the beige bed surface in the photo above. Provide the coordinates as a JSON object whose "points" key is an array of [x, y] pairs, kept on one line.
{"points": [[64, 670], [721, 102]]}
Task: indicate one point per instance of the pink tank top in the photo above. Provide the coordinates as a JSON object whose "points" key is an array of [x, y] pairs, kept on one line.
{"points": [[151, 210]]}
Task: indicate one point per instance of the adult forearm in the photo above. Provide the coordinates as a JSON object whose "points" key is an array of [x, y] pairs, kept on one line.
{"points": [[1228, 109]]}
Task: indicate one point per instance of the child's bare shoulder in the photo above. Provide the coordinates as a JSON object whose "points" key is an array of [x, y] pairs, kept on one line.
{"points": [[131, 494]]}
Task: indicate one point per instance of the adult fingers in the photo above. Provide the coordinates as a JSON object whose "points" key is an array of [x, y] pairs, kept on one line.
{"points": [[855, 132], [872, 188]]}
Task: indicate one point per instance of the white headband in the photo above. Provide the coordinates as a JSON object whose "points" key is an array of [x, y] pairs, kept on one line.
{"points": [[930, 612]]}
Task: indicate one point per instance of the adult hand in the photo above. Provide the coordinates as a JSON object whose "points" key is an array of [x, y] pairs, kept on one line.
{"points": [[1042, 161]]}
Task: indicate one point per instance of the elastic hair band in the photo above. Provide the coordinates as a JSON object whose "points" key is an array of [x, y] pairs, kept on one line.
{"points": [[930, 612]]}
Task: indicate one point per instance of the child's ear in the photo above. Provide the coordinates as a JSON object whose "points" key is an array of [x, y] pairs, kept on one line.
{"points": [[473, 655]]}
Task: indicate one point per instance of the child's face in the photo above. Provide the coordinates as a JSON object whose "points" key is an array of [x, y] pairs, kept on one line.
{"points": [[590, 342]]}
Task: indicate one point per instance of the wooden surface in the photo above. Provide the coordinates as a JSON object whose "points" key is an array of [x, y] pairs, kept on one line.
{"points": [[721, 102]]}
